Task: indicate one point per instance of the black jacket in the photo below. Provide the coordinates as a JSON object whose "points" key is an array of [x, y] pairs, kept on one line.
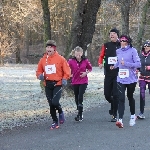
{"points": [[110, 51]]}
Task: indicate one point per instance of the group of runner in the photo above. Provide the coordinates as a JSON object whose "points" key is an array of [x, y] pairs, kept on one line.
{"points": [[122, 63]]}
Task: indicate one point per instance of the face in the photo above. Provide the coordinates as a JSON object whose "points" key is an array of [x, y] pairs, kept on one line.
{"points": [[50, 50], [123, 42], [147, 47], [78, 55], [113, 36]]}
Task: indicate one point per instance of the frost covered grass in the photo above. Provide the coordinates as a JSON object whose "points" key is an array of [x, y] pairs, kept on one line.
{"points": [[21, 99]]}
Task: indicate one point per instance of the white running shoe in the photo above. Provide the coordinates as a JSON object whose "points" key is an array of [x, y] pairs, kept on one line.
{"points": [[132, 121]]}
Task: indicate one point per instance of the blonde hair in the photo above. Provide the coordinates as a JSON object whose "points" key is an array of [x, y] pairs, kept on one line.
{"points": [[78, 49]]}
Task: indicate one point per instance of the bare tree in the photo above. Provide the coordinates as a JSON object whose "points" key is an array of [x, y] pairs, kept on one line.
{"points": [[84, 23], [46, 17], [143, 24]]}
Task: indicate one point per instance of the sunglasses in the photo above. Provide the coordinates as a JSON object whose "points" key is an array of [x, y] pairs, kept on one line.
{"points": [[123, 41], [146, 45]]}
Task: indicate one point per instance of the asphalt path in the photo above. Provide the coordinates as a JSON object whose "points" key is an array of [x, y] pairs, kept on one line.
{"points": [[96, 132]]}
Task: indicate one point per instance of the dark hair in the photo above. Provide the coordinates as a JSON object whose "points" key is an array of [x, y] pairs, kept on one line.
{"points": [[114, 30], [129, 40]]}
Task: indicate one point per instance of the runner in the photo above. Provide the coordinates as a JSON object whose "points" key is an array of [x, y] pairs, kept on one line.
{"points": [[54, 70], [128, 62], [108, 51], [144, 78], [80, 67]]}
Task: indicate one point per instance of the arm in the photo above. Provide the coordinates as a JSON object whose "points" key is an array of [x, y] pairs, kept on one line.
{"points": [[147, 67], [39, 70], [116, 65], [89, 67], [102, 54], [136, 60], [66, 69]]}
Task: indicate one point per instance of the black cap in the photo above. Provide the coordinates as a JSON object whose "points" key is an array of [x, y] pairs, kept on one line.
{"points": [[115, 30], [146, 43]]}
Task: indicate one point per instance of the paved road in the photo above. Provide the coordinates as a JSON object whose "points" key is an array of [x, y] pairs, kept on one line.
{"points": [[96, 132]]}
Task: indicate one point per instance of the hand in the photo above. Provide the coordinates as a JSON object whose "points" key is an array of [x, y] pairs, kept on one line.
{"points": [[64, 82], [146, 68], [111, 67], [83, 74], [41, 77], [100, 66], [122, 62]]}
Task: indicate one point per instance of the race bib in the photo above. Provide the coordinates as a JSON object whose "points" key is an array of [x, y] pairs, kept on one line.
{"points": [[123, 73], [112, 60], [49, 69]]}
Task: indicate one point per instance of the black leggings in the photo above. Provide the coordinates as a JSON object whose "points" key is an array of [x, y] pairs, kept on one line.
{"points": [[130, 90], [110, 88], [79, 90], [53, 96]]}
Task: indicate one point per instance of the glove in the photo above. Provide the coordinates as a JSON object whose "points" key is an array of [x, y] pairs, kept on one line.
{"points": [[41, 77], [64, 82]]}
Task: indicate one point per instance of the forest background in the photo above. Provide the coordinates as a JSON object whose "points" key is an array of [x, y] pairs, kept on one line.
{"points": [[25, 25]]}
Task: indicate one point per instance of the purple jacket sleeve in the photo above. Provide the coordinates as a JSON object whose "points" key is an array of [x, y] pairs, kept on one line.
{"points": [[136, 60]]}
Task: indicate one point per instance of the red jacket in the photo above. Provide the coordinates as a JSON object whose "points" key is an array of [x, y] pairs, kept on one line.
{"points": [[102, 54]]}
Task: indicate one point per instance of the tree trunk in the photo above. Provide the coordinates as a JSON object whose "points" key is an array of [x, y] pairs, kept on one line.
{"points": [[84, 23], [125, 9], [142, 26], [46, 17], [18, 59], [1, 24]]}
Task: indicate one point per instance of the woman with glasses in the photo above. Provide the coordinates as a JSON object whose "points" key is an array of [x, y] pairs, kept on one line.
{"points": [[128, 62], [144, 78]]}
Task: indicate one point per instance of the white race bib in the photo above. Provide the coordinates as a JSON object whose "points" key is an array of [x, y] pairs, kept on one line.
{"points": [[112, 60], [123, 73], [49, 69]]}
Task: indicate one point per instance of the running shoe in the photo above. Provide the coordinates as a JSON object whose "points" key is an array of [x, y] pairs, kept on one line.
{"points": [[119, 124], [132, 121], [61, 118], [114, 119], [54, 125], [79, 118], [141, 116]]}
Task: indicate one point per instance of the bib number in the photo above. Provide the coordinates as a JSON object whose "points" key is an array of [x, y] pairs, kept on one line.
{"points": [[112, 60], [50, 69], [123, 73]]}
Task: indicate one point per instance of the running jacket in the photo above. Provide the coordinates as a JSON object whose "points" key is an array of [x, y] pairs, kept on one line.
{"points": [[145, 62], [109, 50], [131, 62], [62, 68], [77, 68]]}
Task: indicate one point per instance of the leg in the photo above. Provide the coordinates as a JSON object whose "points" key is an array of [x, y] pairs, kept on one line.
{"points": [[76, 93], [56, 97], [82, 89], [142, 85], [49, 95], [121, 106], [130, 91], [108, 85], [115, 97], [121, 93]]}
